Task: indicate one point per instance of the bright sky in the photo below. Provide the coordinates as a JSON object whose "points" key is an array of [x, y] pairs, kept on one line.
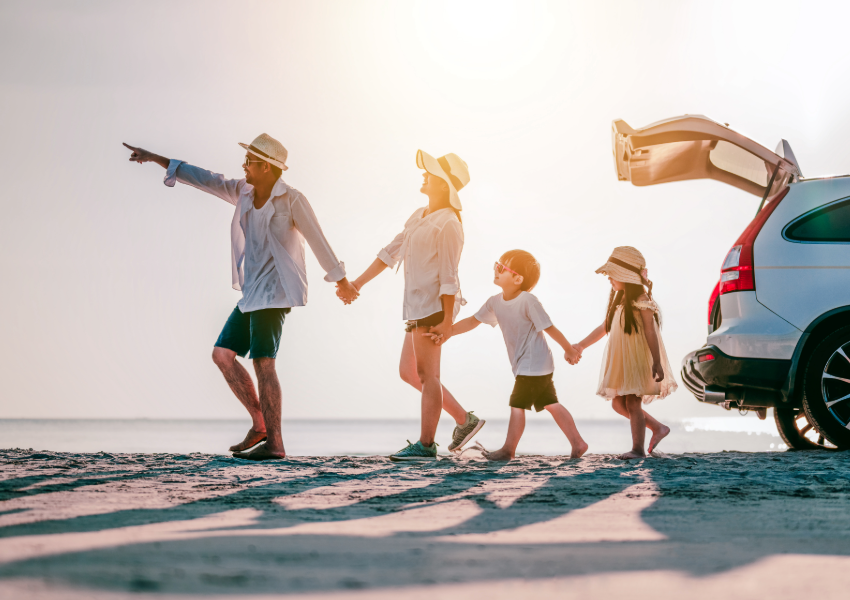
{"points": [[116, 287]]}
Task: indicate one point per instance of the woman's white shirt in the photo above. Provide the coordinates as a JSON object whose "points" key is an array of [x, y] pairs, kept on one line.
{"points": [[522, 321], [429, 248]]}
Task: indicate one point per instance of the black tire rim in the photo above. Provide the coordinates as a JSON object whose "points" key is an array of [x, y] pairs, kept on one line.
{"points": [[835, 385], [806, 430]]}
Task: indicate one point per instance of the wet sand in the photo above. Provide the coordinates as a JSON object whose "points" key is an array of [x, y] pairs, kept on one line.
{"points": [[731, 525]]}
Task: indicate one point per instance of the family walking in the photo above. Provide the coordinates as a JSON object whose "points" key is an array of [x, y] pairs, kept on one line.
{"points": [[270, 224]]}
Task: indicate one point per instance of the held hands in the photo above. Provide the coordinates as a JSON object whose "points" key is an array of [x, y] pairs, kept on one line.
{"points": [[573, 355], [346, 291], [657, 371], [440, 334]]}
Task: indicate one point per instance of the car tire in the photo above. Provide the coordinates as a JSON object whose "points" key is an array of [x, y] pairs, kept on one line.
{"points": [[826, 387], [793, 425]]}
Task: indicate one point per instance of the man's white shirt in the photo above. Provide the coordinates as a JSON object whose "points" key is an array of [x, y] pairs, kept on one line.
{"points": [[278, 230], [522, 321]]}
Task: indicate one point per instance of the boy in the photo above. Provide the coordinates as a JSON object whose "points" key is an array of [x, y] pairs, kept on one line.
{"points": [[523, 321]]}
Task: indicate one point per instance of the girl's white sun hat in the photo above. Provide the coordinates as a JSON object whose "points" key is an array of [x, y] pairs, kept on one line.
{"points": [[450, 168], [626, 264], [269, 149]]}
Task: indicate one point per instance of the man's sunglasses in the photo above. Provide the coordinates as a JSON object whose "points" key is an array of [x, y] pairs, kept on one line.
{"points": [[248, 161], [500, 267]]}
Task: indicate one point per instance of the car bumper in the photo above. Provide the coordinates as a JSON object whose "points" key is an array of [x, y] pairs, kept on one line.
{"points": [[748, 382]]}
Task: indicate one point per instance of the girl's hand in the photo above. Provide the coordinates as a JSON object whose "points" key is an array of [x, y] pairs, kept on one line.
{"points": [[657, 372], [573, 355]]}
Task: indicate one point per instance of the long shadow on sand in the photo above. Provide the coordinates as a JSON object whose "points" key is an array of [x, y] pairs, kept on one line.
{"points": [[714, 511]]}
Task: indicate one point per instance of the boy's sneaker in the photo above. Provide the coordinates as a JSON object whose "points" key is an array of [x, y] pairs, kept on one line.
{"points": [[416, 453], [463, 433]]}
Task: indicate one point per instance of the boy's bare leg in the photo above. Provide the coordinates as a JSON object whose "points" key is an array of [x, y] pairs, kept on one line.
{"points": [[565, 421], [515, 428], [659, 430], [637, 418], [270, 401], [243, 388], [407, 371]]}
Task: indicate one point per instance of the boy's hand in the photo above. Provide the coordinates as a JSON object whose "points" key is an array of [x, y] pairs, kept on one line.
{"points": [[434, 338], [443, 332]]}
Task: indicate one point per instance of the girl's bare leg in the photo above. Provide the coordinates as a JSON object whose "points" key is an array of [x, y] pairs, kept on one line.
{"points": [[565, 421], [407, 371], [637, 418], [515, 428], [659, 430]]}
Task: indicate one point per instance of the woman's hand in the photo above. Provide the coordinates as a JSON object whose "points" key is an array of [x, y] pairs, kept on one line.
{"points": [[442, 332], [657, 371], [346, 291], [573, 354]]}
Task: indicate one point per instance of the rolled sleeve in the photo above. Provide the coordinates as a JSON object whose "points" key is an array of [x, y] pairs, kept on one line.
{"points": [[171, 172], [307, 223], [390, 254], [450, 244]]}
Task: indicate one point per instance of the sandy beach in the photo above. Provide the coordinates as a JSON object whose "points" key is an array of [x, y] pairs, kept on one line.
{"points": [[739, 525]]}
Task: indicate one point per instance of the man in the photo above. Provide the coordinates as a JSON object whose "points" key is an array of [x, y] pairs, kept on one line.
{"points": [[267, 235]]}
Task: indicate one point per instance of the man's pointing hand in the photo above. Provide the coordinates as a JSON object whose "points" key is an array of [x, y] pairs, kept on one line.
{"points": [[140, 155]]}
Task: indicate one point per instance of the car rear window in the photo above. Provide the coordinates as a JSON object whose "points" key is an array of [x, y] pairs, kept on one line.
{"points": [[830, 223]]}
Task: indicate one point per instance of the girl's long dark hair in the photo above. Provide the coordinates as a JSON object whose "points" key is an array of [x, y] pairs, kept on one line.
{"points": [[632, 292]]}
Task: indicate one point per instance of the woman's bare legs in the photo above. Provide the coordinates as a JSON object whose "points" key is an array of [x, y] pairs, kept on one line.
{"points": [[409, 374], [565, 421], [515, 428], [659, 430]]}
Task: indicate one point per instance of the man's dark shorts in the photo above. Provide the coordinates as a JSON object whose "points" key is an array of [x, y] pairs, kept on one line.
{"points": [[533, 390], [257, 331]]}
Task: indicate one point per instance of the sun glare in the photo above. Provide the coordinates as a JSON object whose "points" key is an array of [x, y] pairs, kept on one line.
{"points": [[483, 39]]}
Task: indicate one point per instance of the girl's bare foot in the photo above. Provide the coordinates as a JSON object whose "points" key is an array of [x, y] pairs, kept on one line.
{"points": [[657, 436], [261, 452], [501, 455], [633, 454], [580, 450], [252, 438]]}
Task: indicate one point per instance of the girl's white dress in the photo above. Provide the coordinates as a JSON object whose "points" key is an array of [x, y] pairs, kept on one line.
{"points": [[627, 361]]}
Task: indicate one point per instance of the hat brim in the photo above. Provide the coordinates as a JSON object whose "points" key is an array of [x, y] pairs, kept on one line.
{"points": [[430, 164], [618, 273], [271, 161]]}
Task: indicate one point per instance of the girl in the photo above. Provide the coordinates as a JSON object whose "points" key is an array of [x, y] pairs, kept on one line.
{"points": [[635, 366], [430, 248]]}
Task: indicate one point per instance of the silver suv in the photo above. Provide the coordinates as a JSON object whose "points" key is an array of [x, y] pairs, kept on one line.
{"points": [[779, 318]]}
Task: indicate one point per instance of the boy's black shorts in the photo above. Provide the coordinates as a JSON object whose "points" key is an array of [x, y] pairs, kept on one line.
{"points": [[533, 390]]}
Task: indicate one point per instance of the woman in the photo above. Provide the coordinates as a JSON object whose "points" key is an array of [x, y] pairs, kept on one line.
{"points": [[430, 248]]}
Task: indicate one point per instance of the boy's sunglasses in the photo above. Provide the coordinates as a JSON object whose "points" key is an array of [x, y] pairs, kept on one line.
{"points": [[500, 267]]}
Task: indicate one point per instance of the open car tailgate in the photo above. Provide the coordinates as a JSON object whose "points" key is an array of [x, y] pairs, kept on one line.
{"points": [[695, 147]]}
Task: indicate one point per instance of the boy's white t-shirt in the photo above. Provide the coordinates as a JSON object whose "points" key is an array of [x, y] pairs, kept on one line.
{"points": [[522, 321]]}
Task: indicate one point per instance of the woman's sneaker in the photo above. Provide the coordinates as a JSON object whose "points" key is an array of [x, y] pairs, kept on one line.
{"points": [[463, 433], [416, 453]]}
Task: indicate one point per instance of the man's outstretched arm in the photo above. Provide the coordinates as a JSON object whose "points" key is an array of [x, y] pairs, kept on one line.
{"points": [[140, 155]]}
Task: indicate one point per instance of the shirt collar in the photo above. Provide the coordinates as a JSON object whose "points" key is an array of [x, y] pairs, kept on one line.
{"points": [[280, 189]]}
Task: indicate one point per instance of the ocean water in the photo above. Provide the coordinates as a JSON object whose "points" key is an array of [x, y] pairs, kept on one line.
{"points": [[371, 437]]}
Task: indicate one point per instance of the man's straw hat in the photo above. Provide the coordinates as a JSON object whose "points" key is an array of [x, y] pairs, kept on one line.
{"points": [[269, 149], [450, 168], [626, 264]]}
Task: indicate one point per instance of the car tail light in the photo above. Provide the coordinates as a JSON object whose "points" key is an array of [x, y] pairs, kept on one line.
{"points": [[705, 357], [736, 274]]}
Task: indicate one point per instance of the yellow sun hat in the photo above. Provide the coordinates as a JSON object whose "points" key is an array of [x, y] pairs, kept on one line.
{"points": [[450, 168]]}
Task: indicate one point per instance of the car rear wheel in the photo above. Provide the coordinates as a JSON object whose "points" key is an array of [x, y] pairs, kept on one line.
{"points": [[826, 397], [797, 432]]}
